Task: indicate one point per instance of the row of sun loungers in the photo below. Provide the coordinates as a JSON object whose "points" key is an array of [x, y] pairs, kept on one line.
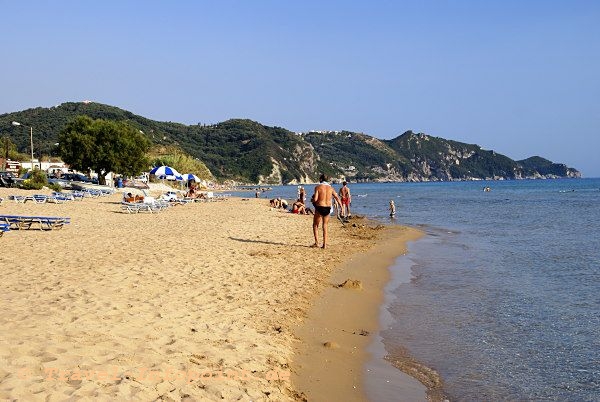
{"points": [[161, 205], [19, 222], [59, 198]]}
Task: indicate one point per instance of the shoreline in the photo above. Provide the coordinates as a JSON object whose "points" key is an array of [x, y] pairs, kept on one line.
{"points": [[399, 358], [335, 339]]}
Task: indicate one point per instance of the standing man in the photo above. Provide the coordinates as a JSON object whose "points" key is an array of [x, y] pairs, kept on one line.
{"points": [[392, 209], [321, 200], [346, 200]]}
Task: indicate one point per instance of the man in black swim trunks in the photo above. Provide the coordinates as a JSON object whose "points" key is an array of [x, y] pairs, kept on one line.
{"points": [[322, 203]]}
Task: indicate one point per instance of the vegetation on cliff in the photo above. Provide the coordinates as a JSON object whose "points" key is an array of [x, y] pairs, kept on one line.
{"points": [[247, 151]]}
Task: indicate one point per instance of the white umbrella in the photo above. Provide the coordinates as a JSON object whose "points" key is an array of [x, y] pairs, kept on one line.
{"points": [[164, 171], [190, 176]]}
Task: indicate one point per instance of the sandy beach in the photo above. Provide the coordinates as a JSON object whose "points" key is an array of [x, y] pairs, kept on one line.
{"points": [[205, 301]]}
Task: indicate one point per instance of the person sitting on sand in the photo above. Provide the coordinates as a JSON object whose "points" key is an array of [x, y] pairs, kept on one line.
{"points": [[321, 200], [191, 192], [298, 208]]}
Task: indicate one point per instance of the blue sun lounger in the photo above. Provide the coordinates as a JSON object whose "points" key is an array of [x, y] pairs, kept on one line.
{"points": [[59, 198], [4, 227], [19, 222], [37, 198], [20, 199]]}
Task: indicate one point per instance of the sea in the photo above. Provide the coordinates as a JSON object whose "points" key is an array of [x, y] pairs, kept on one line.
{"points": [[503, 293]]}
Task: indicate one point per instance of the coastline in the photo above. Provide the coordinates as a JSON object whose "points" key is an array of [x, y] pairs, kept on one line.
{"points": [[387, 360], [334, 339]]}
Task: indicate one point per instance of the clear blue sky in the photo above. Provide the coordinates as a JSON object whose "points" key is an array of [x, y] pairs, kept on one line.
{"points": [[519, 77]]}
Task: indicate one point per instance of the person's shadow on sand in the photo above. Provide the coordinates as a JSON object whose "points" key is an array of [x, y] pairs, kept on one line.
{"points": [[267, 242]]}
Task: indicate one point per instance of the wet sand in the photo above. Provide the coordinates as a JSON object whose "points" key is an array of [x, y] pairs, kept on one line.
{"points": [[331, 357]]}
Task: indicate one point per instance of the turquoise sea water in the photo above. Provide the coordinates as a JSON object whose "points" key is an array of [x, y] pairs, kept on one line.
{"points": [[504, 301]]}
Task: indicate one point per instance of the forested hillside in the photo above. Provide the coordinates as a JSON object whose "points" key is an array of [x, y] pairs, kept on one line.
{"points": [[247, 151]]}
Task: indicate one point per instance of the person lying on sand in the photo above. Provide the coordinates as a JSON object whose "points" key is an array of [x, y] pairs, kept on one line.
{"points": [[278, 203]]}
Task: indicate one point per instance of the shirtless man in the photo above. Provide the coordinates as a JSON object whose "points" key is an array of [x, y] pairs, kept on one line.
{"points": [[322, 203], [346, 200]]}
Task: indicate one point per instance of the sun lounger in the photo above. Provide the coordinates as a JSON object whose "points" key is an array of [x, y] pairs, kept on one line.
{"points": [[17, 198], [78, 195], [59, 198], [18, 222], [99, 192], [132, 207], [55, 199], [37, 198], [92, 193], [4, 227], [135, 207]]}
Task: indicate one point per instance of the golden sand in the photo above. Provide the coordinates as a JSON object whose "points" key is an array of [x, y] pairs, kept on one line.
{"points": [[330, 360], [199, 302]]}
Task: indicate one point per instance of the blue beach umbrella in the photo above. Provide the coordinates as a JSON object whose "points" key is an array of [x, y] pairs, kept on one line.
{"points": [[190, 176], [164, 171]]}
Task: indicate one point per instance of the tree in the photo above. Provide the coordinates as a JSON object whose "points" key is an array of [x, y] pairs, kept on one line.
{"points": [[103, 146], [9, 150]]}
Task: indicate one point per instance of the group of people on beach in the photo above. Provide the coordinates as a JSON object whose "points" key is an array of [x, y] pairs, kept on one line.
{"points": [[298, 207], [323, 200], [322, 204]]}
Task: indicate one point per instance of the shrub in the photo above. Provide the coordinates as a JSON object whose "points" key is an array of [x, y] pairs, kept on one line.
{"points": [[36, 181], [55, 187]]}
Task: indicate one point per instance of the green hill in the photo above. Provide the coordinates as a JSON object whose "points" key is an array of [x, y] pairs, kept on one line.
{"points": [[249, 152]]}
